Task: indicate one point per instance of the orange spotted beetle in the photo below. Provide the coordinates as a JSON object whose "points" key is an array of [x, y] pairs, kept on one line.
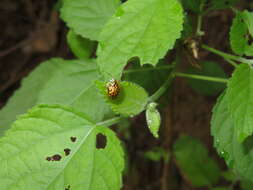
{"points": [[113, 88]]}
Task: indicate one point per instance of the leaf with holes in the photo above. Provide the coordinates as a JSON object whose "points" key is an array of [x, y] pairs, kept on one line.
{"points": [[53, 147], [193, 159], [81, 47], [88, 17], [153, 119], [240, 96], [143, 28], [241, 33], [238, 156], [130, 101], [58, 81]]}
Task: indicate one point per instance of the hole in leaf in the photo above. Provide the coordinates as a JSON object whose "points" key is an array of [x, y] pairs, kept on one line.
{"points": [[73, 139], [56, 157], [67, 151], [67, 188], [100, 141]]}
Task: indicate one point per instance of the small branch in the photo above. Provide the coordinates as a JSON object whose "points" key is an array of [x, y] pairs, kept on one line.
{"points": [[162, 89], [231, 62], [109, 122], [199, 22], [15, 47], [228, 56], [200, 77]]}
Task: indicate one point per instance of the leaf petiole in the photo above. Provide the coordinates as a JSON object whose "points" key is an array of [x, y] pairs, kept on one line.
{"points": [[201, 77], [227, 56], [162, 89]]}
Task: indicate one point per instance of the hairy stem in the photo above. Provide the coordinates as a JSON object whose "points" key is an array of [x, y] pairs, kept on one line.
{"points": [[199, 32], [162, 89], [228, 56], [201, 77]]}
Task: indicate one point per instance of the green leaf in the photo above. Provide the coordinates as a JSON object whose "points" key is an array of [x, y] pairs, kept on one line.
{"points": [[88, 17], [222, 4], [238, 156], [54, 147], [81, 47], [193, 159], [229, 175], [140, 28], [246, 185], [241, 33], [153, 119], [188, 30], [58, 5], [58, 82], [205, 87], [157, 153], [240, 97], [130, 101], [220, 124]]}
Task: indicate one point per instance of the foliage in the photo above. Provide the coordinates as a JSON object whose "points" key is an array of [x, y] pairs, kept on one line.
{"points": [[153, 119], [44, 85], [87, 18], [81, 47], [61, 139], [192, 157], [240, 88], [237, 155], [130, 101], [156, 31], [71, 137], [241, 33]]}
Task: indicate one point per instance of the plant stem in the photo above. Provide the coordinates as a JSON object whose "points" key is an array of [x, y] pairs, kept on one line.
{"points": [[168, 67], [162, 89], [199, 22], [109, 122], [200, 77], [231, 62], [228, 56]]}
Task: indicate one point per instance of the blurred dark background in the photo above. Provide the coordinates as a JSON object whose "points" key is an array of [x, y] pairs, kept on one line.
{"points": [[32, 32]]}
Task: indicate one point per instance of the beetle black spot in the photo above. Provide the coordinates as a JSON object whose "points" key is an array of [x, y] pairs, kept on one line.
{"points": [[56, 157], [73, 139], [100, 141], [67, 188], [48, 158], [67, 151], [226, 2]]}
